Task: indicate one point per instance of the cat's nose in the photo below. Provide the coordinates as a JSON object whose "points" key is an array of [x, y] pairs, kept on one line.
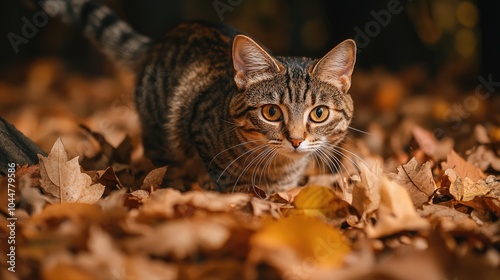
{"points": [[295, 142]]}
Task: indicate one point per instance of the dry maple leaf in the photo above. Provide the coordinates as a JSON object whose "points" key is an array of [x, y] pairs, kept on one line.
{"points": [[417, 180], [64, 180]]}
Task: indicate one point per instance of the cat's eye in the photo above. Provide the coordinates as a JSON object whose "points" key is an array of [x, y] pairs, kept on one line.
{"points": [[319, 114], [271, 112]]}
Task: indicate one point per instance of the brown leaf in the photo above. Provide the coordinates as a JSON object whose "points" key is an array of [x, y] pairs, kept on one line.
{"points": [[32, 172], [396, 212], [417, 180], [32, 196], [64, 180], [366, 193], [261, 207], [484, 158], [481, 134], [462, 168], [445, 213], [107, 154], [109, 179], [66, 271], [153, 180], [181, 238], [430, 145], [164, 201], [285, 196]]}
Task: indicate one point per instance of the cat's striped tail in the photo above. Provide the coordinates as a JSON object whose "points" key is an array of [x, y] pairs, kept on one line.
{"points": [[114, 36]]}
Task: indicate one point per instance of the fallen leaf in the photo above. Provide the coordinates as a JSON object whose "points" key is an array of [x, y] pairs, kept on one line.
{"points": [[66, 271], [462, 167], [428, 143], [142, 267], [261, 207], [32, 196], [109, 179], [396, 212], [417, 180], [76, 213], [153, 180], [465, 189], [481, 134], [162, 202], [366, 193], [64, 180], [444, 213], [320, 202], [484, 158], [181, 238], [294, 240], [285, 196]]}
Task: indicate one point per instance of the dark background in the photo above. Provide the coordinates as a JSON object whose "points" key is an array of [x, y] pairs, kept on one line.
{"points": [[429, 34]]}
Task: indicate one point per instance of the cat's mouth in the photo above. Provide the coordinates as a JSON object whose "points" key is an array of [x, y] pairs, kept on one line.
{"points": [[295, 153]]}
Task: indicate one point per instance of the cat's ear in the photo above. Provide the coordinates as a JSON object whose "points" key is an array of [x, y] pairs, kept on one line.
{"points": [[251, 62], [337, 65]]}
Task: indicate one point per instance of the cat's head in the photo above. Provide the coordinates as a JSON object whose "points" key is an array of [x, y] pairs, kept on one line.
{"points": [[296, 105]]}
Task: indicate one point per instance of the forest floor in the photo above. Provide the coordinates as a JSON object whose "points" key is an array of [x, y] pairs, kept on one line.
{"points": [[417, 195]]}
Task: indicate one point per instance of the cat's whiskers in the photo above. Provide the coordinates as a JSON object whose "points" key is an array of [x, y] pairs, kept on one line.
{"points": [[326, 160], [232, 147], [320, 164], [231, 128], [360, 131], [332, 150], [341, 150], [338, 165], [264, 152], [265, 160], [266, 166], [251, 151]]}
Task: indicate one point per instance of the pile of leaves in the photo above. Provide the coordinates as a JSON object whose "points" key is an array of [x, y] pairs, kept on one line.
{"points": [[421, 211], [423, 222]]}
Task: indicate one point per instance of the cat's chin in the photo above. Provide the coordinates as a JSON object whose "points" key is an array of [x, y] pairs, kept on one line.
{"points": [[294, 154]]}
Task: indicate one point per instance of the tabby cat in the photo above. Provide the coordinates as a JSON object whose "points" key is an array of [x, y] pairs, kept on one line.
{"points": [[216, 107]]}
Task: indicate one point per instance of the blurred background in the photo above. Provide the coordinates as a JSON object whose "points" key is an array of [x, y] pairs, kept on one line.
{"points": [[430, 62]]}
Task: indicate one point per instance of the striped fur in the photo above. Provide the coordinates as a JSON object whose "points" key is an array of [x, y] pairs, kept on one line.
{"points": [[114, 36], [201, 96]]}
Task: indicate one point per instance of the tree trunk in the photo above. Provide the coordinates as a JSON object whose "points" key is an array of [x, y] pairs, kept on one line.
{"points": [[16, 148]]}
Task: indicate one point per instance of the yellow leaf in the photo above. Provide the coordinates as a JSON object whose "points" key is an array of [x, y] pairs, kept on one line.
{"points": [[319, 202], [294, 240], [64, 180]]}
